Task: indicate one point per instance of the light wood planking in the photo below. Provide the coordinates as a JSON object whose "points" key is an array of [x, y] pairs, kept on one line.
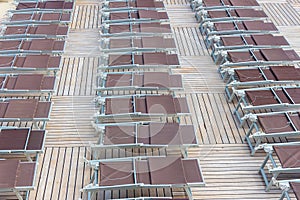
{"points": [[86, 16], [175, 2]]}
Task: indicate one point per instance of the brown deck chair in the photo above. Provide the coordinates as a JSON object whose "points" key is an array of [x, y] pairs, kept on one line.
{"points": [[36, 31], [142, 4], [146, 60], [154, 28], [27, 84], [141, 107], [40, 18], [34, 46], [17, 177], [274, 99], [46, 5], [25, 110], [139, 81], [260, 76], [288, 166], [274, 56], [22, 141], [152, 135], [149, 173], [213, 3], [144, 44], [272, 125], [27, 63]]}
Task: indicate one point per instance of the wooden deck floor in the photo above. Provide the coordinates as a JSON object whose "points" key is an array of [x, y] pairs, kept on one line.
{"points": [[230, 172]]}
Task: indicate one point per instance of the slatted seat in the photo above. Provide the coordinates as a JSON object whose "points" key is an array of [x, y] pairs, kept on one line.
{"points": [[223, 4], [32, 6], [133, 5], [149, 173]]}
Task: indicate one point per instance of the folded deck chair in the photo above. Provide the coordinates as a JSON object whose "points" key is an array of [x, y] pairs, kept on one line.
{"points": [[242, 78], [206, 17], [31, 46], [22, 141], [28, 63], [144, 60], [27, 84], [33, 6], [110, 6], [25, 110], [151, 135], [258, 57], [17, 177], [269, 98], [146, 173], [138, 81], [140, 16], [141, 107], [39, 18], [288, 166], [143, 29], [218, 45], [271, 125], [35, 31], [223, 4], [140, 44]]}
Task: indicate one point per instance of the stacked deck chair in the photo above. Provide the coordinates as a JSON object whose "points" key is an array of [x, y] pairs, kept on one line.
{"points": [[266, 99], [139, 109], [111, 6], [262, 80], [31, 44], [145, 173]]}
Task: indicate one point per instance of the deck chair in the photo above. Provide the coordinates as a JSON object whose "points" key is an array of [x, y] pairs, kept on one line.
{"points": [[15, 141], [206, 17], [31, 46], [268, 98], [35, 31], [30, 63], [146, 173], [147, 135], [286, 186], [112, 6], [218, 45], [197, 5], [44, 6], [39, 18], [17, 177], [271, 125], [138, 81], [258, 57], [27, 84], [139, 61], [25, 110], [237, 28], [152, 198], [138, 44], [141, 107], [243, 78], [140, 16], [143, 29], [288, 166]]}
